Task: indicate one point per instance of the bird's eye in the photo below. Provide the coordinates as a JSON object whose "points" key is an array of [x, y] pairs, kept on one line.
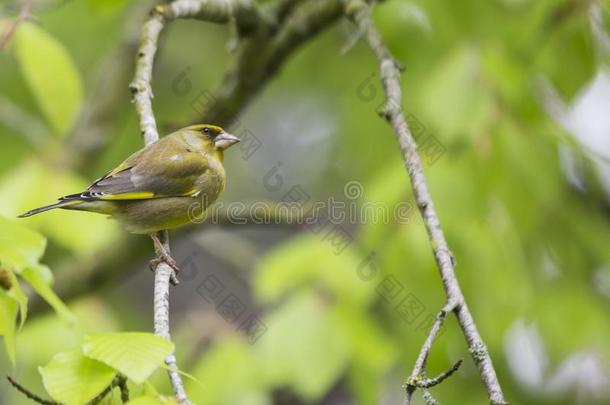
{"points": [[206, 130]]}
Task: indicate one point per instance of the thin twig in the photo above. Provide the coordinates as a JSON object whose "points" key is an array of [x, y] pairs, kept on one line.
{"points": [[245, 14], [424, 383], [84, 276], [142, 98], [263, 55], [30, 394], [121, 382], [211, 10], [23, 14], [419, 369], [431, 382], [428, 399], [360, 12], [118, 381], [100, 397], [257, 64], [163, 274]]}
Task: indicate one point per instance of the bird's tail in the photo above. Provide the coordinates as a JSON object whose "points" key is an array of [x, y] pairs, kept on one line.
{"points": [[59, 204]]}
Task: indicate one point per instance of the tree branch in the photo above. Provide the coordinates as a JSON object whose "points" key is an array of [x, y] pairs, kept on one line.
{"points": [[245, 15], [360, 12], [259, 60], [242, 11], [431, 382], [417, 378], [80, 277], [29, 394], [298, 26], [118, 381], [262, 56], [282, 8], [121, 382], [163, 274]]}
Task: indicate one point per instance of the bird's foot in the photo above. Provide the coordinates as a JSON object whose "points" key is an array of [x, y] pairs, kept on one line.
{"points": [[153, 263], [163, 256]]}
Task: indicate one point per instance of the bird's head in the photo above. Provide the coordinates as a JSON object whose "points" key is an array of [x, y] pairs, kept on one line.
{"points": [[213, 136]]}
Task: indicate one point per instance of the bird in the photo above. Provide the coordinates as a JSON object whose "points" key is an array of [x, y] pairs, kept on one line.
{"points": [[157, 187]]}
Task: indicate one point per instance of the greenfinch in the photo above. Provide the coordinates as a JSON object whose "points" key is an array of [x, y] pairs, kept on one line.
{"points": [[156, 187]]}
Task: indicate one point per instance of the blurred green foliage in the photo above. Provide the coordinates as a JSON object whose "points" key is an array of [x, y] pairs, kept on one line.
{"points": [[531, 245]]}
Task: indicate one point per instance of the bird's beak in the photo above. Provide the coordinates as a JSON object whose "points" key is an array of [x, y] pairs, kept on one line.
{"points": [[224, 140]]}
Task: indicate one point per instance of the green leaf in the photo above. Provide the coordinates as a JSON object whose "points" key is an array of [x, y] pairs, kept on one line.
{"points": [[182, 373], [386, 185], [454, 90], [103, 8], [50, 74], [18, 295], [307, 260], [323, 348], [229, 364], [34, 183], [367, 340], [74, 379], [38, 277], [149, 390], [20, 247], [93, 316], [8, 315], [135, 354]]}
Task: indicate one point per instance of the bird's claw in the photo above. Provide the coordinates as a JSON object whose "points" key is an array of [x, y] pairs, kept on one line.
{"points": [[173, 279], [164, 256], [153, 263]]}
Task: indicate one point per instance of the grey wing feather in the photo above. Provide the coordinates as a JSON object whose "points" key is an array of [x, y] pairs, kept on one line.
{"points": [[117, 183], [173, 180], [139, 175], [110, 184]]}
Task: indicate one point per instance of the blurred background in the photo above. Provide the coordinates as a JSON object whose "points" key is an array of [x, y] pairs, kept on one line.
{"points": [[509, 101]]}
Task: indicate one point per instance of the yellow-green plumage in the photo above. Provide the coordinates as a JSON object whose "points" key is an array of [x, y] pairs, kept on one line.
{"points": [[157, 186]]}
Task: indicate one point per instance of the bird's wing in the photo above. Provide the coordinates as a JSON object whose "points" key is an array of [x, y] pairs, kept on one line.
{"points": [[150, 173]]}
